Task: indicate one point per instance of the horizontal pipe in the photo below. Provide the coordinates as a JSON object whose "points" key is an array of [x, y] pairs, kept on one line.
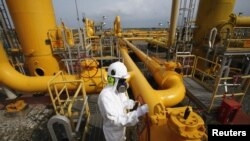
{"points": [[158, 43], [138, 38], [142, 90], [29, 85], [171, 83], [242, 21]]}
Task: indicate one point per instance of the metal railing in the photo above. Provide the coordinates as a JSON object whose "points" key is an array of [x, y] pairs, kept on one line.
{"points": [[64, 99], [187, 64], [238, 39], [219, 86], [208, 76]]}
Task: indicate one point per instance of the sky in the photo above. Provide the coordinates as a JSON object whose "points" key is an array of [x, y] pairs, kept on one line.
{"points": [[133, 13]]}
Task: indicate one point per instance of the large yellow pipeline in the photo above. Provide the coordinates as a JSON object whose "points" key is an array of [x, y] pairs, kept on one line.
{"points": [[173, 126], [171, 83], [19, 82], [32, 20], [144, 90], [173, 21], [211, 13]]}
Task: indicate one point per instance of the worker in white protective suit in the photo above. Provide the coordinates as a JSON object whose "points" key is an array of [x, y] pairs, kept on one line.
{"points": [[114, 103]]}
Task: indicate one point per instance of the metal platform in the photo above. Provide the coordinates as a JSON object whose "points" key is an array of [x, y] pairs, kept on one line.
{"points": [[200, 95], [95, 132], [27, 125]]}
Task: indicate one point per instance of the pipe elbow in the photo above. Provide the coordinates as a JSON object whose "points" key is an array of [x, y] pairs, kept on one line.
{"points": [[174, 89]]}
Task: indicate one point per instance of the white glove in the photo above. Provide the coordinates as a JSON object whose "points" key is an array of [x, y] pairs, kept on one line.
{"points": [[129, 104], [142, 110]]}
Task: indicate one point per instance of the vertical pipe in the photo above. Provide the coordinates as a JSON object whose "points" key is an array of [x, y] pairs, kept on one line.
{"points": [[173, 22], [211, 13], [32, 20]]}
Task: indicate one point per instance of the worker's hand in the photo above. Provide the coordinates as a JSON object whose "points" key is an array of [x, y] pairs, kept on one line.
{"points": [[129, 104], [137, 104], [142, 110]]}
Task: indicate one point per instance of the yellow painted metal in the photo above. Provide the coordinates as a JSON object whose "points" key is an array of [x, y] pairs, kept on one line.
{"points": [[117, 26], [177, 128], [240, 20], [89, 26], [138, 38], [211, 13], [171, 65], [173, 21], [170, 81], [63, 100], [56, 37], [19, 82], [173, 90], [60, 96], [157, 42], [172, 126], [182, 129], [32, 20], [145, 34], [16, 107], [145, 91]]}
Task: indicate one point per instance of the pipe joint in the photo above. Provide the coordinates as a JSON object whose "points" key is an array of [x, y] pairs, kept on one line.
{"points": [[159, 116]]}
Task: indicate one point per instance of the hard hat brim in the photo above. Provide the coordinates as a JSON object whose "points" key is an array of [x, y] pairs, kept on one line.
{"points": [[126, 76]]}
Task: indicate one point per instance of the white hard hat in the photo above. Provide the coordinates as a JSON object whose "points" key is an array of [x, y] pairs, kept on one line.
{"points": [[118, 70]]}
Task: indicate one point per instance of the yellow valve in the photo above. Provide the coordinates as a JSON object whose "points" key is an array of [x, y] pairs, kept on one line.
{"points": [[191, 128], [56, 37], [16, 107], [89, 63], [171, 65], [89, 26], [117, 26]]}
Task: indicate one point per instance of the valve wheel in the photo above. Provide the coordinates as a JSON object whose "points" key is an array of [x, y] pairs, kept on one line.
{"points": [[88, 67]]}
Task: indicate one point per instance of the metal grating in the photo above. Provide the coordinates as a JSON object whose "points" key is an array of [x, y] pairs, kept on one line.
{"points": [[95, 132]]}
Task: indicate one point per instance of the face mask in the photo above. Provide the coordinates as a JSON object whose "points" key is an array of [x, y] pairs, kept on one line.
{"points": [[122, 86]]}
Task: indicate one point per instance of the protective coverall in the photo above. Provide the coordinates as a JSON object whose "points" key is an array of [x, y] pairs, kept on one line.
{"points": [[113, 104], [113, 108]]}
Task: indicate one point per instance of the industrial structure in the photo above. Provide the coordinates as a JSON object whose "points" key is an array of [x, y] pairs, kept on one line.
{"points": [[51, 75]]}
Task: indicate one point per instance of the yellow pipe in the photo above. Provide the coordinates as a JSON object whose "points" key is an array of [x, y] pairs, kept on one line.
{"points": [[138, 38], [32, 20], [156, 42], [171, 83], [19, 82], [150, 34], [141, 88], [173, 125], [89, 26], [240, 20], [216, 12], [117, 26], [173, 21]]}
